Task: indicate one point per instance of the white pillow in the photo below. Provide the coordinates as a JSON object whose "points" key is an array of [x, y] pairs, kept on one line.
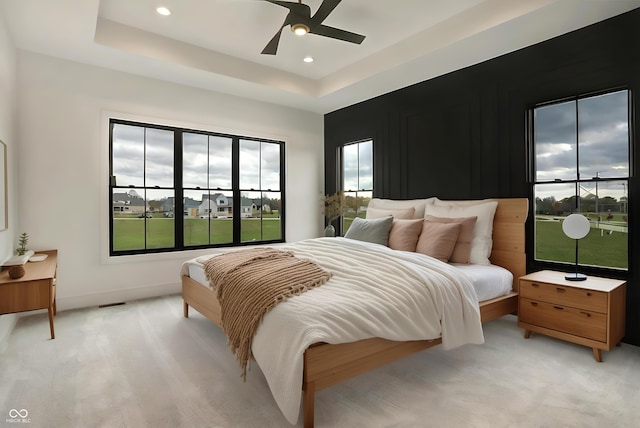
{"points": [[396, 213], [395, 204], [482, 241], [460, 203]]}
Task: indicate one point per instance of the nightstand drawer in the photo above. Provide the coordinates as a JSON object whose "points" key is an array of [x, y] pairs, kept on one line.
{"points": [[591, 325], [581, 298]]}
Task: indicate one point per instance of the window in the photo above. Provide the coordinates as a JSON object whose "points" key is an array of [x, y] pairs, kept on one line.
{"points": [[357, 180], [174, 189], [580, 160]]}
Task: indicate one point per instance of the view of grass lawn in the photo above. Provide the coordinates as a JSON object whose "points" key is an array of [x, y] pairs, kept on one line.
{"points": [[598, 248], [129, 232], [347, 220]]}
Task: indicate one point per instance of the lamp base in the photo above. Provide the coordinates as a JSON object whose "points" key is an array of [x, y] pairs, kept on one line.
{"points": [[575, 277]]}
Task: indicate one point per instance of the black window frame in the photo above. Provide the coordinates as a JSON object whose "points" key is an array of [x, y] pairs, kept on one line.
{"points": [[341, 166], [179, 190], [533, 181]]}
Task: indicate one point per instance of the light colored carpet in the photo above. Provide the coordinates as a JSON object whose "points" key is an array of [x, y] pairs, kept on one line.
{"points": [[144, 365]]}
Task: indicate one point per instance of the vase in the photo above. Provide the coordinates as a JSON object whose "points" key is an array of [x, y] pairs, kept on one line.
{"points": [[16, 272], [330, 231]]}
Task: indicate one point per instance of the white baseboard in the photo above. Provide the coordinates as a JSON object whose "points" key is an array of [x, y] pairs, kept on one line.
{"points": [[115, 296]]}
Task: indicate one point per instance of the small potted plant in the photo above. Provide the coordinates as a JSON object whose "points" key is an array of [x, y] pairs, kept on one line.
{"points": [[22, 244], [18, 271], [333, 208]]}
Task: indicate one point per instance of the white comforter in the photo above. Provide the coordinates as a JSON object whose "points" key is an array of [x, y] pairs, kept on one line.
{"points": [[374, 292]]}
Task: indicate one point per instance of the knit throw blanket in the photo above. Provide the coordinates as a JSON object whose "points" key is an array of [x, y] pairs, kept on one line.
{"points": [[251, 282]]}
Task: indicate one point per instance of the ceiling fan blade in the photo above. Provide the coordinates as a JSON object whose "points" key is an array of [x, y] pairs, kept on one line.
{"points": [[336, 33], [300, 9], [272, 46], [281, 3], [324, 10]]}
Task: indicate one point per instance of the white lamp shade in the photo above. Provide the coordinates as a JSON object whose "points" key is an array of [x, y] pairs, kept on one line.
{"points": [[576, 226]]}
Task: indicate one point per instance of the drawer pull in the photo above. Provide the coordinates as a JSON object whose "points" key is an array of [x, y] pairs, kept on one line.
{"points": [[589, 294], [559, 308], [534, 303], [587, 314], [560, 290], [533, 284]]}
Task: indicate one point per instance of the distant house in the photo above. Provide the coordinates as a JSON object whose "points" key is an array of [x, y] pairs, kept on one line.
{"points": [[129, 202], [258, 205], [190, 207], [216, 205], [168, 205], [211, 206], [247, 207], [219, 205]]}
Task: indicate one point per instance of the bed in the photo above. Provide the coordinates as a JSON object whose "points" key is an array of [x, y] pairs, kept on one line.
{"points": [[325, 364]]}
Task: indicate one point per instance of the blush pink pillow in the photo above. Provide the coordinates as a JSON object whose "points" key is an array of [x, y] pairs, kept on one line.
{"points": [[438, 239], [462, 249], [404, 234]]}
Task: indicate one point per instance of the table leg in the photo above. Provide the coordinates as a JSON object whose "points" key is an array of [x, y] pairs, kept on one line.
{"points": [[53, 335], [597, 354], [527, 334]]}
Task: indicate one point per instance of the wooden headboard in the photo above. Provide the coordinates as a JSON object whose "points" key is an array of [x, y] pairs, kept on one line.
{"points": [[508, 248]]}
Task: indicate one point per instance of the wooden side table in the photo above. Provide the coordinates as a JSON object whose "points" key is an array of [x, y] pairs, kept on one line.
{"points": [[589, 313], [35, 290]]}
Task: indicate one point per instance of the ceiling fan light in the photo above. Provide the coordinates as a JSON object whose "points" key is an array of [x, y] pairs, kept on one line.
{"points": [[300, 29]]}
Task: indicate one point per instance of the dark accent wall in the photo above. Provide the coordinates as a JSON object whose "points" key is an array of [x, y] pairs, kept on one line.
{"points": [[462, 135]]}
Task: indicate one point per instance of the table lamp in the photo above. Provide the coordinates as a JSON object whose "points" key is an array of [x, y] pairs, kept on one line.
{"points": [[576, 226]]}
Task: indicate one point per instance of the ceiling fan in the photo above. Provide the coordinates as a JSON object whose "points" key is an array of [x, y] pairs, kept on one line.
{"points": [[301, 22]]}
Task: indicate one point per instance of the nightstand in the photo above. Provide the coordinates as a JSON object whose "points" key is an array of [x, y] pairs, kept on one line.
{"points": [[589, 313], [35, 290]]}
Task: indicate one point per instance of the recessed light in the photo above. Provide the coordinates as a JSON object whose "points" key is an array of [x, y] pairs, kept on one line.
{"points": [[163, 11], [308, 59]]}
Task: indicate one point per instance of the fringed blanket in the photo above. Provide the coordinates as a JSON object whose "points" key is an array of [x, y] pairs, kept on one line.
{"points": [[249, 283]]}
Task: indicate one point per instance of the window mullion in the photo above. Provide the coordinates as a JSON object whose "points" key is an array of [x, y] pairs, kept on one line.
{"points": [[235, 185], [178, 191]]}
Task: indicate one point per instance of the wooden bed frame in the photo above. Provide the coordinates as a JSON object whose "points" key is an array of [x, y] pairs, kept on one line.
{"points": [[327, 364]]}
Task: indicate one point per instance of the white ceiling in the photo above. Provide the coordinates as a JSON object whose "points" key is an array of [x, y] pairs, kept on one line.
{"points": [[216, 44]]}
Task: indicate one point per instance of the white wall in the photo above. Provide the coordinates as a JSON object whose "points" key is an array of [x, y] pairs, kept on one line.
{"points": [[63, 108], [8, 136]]}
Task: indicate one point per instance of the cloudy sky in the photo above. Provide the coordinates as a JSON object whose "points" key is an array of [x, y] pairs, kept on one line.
{"points": [[358, 166], [129, 156], [589, 137], [206, 161], [259, 165]]}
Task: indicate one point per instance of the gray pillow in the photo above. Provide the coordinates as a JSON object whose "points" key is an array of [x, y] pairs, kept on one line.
{"points": [[372, 230]]}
